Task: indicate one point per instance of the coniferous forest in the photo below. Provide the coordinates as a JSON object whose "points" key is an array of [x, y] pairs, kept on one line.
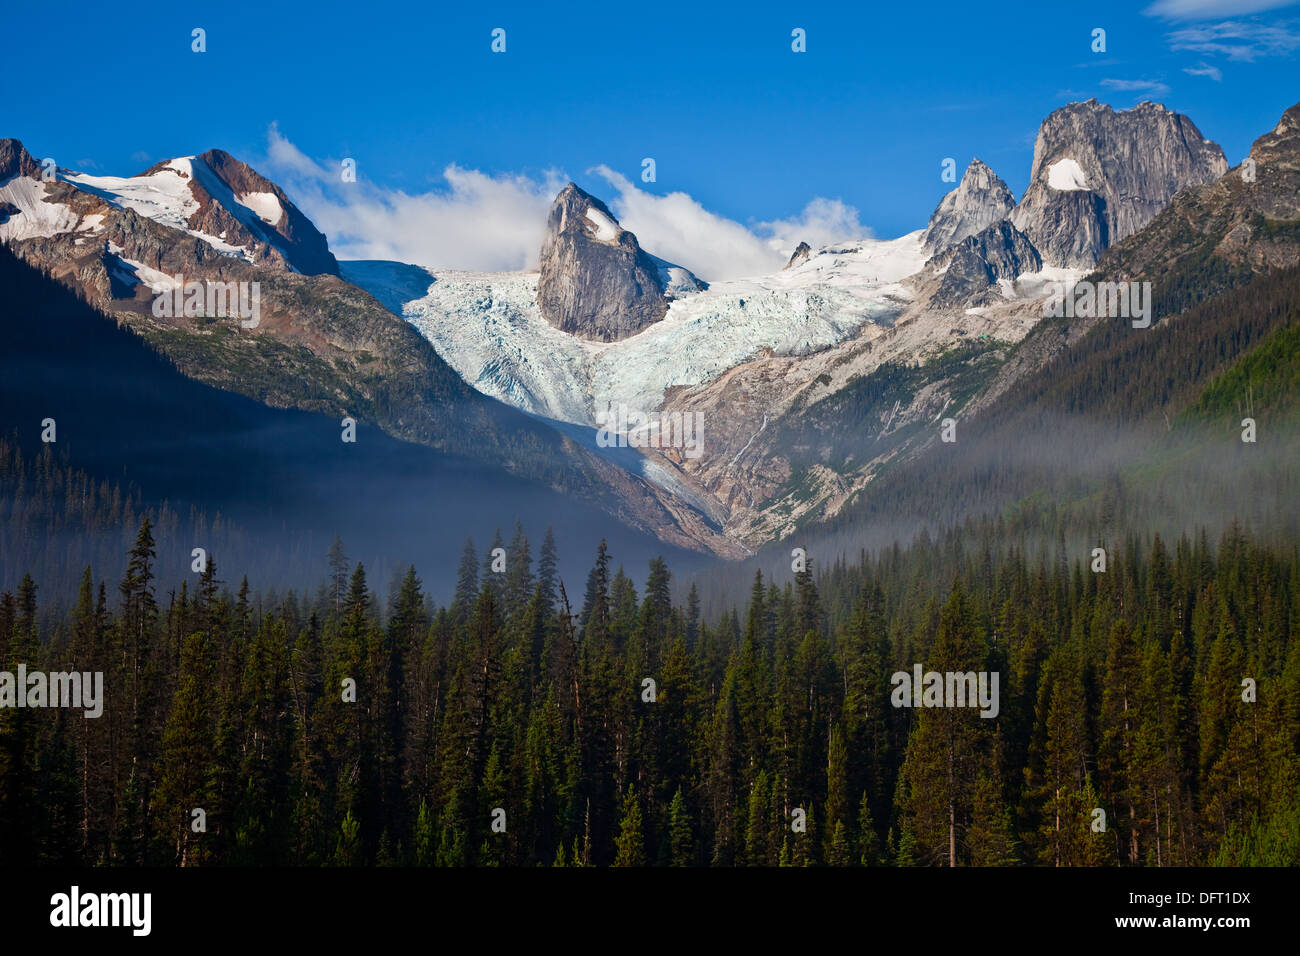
{"points": [[518, 725]]}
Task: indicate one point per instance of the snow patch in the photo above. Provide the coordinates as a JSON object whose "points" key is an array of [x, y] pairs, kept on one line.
{"points": [[266, 206], [1066, 175], [134, 272], [606, 228], [1033, 285]]}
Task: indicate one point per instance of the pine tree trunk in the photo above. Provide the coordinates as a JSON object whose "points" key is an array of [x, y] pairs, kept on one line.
{"points": [[952, 805]]}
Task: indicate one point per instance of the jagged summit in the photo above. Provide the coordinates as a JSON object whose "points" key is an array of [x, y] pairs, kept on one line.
{"points": [[15, 160], [596, 281], [1099, 175], [277, 218], [1281, 142], [800, 254], [980, 199], [1246, 221]]}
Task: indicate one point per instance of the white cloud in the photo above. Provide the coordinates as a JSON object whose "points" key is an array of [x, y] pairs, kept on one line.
{"points": [[1243, 42], [1211, 9], [822, 222], [1141, 87], [676, 227], [474, 221], [288, 156], [1204, 69]]}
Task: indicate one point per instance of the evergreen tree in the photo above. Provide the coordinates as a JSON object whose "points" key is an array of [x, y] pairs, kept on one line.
{"points": [[548, 570], [630, 846], [681, 840], [186, 772]]}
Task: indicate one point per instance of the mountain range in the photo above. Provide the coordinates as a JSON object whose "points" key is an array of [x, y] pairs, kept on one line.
{"points": [[809, 383]]}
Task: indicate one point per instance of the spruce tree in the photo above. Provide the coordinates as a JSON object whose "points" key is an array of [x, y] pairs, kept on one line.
{"points": [[630, 845], [680, 837]]}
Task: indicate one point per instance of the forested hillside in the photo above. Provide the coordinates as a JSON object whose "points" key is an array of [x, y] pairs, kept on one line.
{"points": [[1127, 431], [509, 728]]}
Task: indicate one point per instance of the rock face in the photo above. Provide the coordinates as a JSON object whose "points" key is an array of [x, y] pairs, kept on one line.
{"points": [[1000, 251], [980, 200], [801, 254], [1099, 176], [1069, 228], [1245, 222], [278, 222], [596, 282], [1280, 147], [15, 160]]}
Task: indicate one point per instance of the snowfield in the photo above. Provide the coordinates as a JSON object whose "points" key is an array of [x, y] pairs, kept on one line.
{"points": [[488, 327], [131, 272], [37, 217], [166, 198]]}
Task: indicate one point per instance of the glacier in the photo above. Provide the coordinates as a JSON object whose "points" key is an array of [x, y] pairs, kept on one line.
{"points": [[487, 326]]}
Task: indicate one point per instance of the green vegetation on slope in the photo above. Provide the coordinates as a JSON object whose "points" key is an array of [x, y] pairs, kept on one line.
{"points": [[1265, 383]]}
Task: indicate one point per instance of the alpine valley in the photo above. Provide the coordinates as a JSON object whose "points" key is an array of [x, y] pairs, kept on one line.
{"points": [[821, 388]]}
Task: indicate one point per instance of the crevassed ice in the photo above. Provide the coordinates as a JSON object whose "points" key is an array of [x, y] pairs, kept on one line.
{"points": [[488, 328]]}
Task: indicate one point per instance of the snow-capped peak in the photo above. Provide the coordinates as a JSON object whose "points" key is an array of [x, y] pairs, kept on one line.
{"points": [[222, 201]]}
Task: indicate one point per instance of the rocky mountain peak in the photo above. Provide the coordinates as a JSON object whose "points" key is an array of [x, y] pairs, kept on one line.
{"points": [[578, 209], [980, 199], [15, 160], [801, 254], [1289, 123], [1280, 145], [239, 202], [1099, 175], [596, 281], [979, 175], [1247, 221], [964, 272]]}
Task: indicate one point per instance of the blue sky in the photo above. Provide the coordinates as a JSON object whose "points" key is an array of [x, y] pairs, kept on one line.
{"points": [[750, 130]]}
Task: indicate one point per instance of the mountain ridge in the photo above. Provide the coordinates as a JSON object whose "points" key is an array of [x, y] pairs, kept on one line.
{"points": [[319, 343], [940, 322]]}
